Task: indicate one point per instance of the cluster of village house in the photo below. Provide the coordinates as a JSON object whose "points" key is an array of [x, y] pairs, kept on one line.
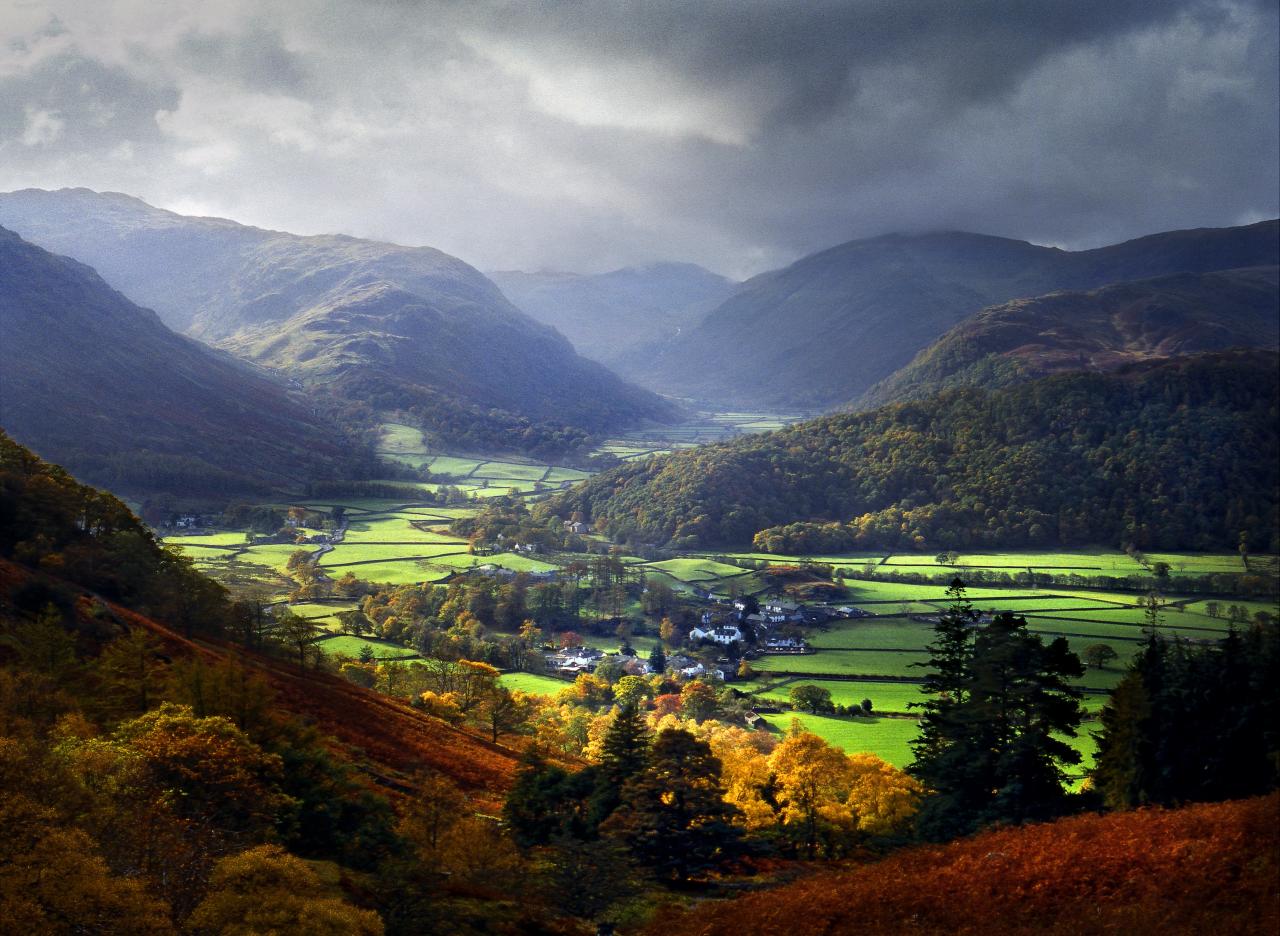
{"points": [[721, 626]]}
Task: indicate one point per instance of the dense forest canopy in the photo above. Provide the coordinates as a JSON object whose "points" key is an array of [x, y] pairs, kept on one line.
{"points": [[1176, 455]]}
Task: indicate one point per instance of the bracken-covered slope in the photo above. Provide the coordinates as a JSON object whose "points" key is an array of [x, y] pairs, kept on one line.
{"points": [[378, 323], [1098, 330], [64, 542], [93, 382], [825, 329], [1199, 869], [1180, 454], [612, 317]]}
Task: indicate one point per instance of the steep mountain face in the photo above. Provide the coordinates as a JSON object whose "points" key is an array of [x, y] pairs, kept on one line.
{"points": [[386, 325], [825, 329], [1096, 330], [1177, 454], [101, 386], [611, 316]]}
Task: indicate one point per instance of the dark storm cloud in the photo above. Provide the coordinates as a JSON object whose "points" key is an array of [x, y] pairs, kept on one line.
{"points": [[590, 135]]}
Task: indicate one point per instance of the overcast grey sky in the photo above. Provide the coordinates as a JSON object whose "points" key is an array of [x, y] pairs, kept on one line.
{"points": [[586, 136]]}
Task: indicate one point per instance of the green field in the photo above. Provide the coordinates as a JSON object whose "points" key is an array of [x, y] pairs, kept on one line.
{"points": [[846, 663], [498, 469], [887, 738], [697, 570], [402, 439], [458, 467], [396, 529], [884, 696], [873, 633], [322, 609], [208, 539], [349, 554], [347, 645], [533, 683], [403, 572]]}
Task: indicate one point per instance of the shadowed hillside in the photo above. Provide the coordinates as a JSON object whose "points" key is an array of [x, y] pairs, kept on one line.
{"points": [[1098, 330], [379, 324], [612, 317], [96, 383], [825, 329]]}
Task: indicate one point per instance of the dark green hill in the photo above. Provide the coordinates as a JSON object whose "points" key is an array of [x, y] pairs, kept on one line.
{"points": [[1177, 454], [827, 328], [381, 324], [1101, 329], [610, 317], [95, 383]]}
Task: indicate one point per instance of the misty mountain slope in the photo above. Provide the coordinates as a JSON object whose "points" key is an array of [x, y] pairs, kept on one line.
{"points": [[101, 386], [609, 317], [280, 299], [1097, 330], [825, 329]]}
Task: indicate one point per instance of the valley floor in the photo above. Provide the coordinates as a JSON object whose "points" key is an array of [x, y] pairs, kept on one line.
{"points": [[873, 656]]}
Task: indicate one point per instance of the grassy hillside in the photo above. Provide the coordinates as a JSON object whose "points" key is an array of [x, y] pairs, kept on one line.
{"points": [[92, 381], [1179, 454], [827, 328], [1193, 870], [1099, 330], [384, 325], [609, 317]]}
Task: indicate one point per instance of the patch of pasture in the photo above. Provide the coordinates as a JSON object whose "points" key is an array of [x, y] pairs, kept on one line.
{"points": [[457, 467], [397, 437], [403, 572], [274, 555], [884, 696], [557, 475], [1085, 562], [1201, 563], [697, 570], [413, 460], [319, 609], [207, 539], [842, 559], [347, 645], [355, 553], [887, 738], [845, 663], [510, 470], [873, 633], [396, 529], [533, 683]]}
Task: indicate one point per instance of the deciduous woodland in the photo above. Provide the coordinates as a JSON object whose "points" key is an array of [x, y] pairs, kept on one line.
{"points": [[179, 760], [1179, 455]]}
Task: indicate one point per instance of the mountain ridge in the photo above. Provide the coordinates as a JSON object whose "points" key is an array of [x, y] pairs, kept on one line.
{"points": [[1099, 329], [230, 284], [613, 316], [101, 385], [823, 330]]}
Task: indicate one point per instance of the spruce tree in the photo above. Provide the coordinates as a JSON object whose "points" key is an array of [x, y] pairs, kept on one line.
{"points": [[990, 746], [624, 754], [658, 659], [673, 815]]}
